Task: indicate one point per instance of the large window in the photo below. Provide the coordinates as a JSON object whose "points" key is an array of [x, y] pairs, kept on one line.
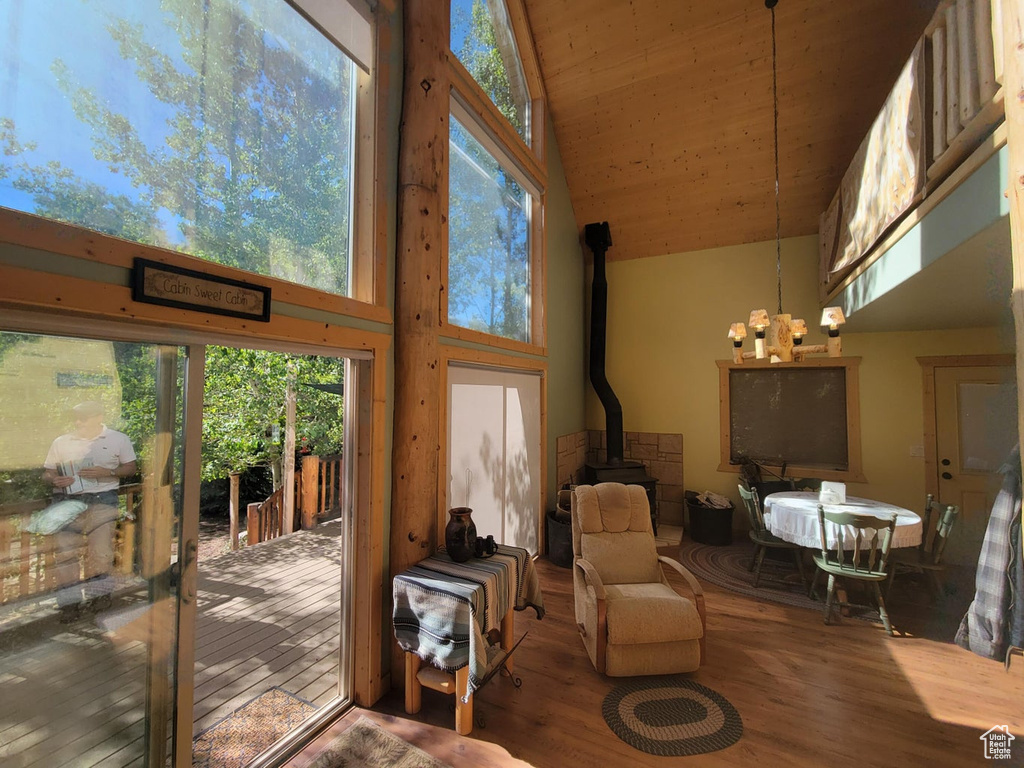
{"points": [[495, 179], [222, 129], [488, 242], [798, 419]]}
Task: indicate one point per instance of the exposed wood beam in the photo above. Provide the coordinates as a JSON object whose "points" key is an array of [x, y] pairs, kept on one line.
{"points": [[422, 163]]}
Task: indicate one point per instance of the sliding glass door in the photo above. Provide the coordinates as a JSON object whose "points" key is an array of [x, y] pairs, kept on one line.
{"points": [[175, 547], [92, 437]]}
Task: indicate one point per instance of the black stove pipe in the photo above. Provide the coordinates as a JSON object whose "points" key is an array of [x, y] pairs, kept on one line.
{"points": [[598, 237]]}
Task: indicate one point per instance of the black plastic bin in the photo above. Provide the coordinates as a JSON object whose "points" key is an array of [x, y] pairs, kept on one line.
{"points": [[708, 525], [559, 541]]}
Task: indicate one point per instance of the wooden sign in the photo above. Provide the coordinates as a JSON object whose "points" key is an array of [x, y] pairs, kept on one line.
{"points": [[156, 283]]}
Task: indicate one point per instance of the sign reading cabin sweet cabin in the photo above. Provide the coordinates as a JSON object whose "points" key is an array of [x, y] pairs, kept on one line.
{"points": [[156, 283]]}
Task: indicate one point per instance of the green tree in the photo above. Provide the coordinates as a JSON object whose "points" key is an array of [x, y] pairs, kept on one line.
{"points": [[489, 260], [244, 400], [252, 159]]}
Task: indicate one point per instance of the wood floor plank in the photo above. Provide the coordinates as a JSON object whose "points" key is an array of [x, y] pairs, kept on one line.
{"points": [[809, 694]]}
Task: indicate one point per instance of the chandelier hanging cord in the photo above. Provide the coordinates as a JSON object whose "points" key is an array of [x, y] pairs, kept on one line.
{"points": [[770, 4]]}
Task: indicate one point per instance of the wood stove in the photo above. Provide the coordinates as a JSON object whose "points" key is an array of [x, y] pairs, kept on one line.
{"points": [[615, 469]]}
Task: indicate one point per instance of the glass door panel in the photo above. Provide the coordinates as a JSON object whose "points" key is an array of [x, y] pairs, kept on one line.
{"points": [[274, 555], [90, 514]]}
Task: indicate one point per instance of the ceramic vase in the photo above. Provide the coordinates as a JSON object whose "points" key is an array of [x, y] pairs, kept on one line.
{"points": [[460, 534]]}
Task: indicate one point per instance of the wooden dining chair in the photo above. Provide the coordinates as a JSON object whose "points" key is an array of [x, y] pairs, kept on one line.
{"points": [[763, 538], [927, 557], [866, 561]]}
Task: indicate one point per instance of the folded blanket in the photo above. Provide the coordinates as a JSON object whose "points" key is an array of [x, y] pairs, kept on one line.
{"points": [[445, 611], [56, 516]]}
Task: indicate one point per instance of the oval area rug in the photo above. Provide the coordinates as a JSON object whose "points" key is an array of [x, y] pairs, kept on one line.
{"points": [[729, 567], [671, 716]]}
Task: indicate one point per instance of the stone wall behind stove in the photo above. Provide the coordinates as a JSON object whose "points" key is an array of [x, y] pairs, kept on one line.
{"points": [[661, 453]]}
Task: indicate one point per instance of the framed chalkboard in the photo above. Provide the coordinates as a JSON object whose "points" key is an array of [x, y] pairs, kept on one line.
{"points": [[802, 416]]}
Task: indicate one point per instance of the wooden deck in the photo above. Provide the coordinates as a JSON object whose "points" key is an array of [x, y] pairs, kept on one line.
{"points": [[267, 616]]}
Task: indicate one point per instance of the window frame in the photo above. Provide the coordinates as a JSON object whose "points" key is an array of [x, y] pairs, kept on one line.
{"points": [[854, 473], [475, 111]]}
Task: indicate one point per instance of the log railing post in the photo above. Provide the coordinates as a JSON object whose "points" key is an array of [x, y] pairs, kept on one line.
{"points": [[252, 524], [310, 490], [419, 282], [25, 554]]}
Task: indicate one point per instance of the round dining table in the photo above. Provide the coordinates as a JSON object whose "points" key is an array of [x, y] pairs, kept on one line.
{"points": [[793, 517]]}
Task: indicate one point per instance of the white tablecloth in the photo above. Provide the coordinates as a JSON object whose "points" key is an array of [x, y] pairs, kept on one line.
{"points": [[793, 516]]}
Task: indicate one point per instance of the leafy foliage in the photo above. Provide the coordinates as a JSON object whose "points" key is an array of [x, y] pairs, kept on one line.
{"points": [[251, 164], [240, 154], [245, 399], [489, 256]]}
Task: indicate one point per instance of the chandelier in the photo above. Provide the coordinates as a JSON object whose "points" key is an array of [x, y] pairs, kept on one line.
{"points": [[780, 337]]}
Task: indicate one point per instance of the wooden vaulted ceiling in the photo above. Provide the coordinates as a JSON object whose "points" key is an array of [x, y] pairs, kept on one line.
{"points": [[663, 110]]}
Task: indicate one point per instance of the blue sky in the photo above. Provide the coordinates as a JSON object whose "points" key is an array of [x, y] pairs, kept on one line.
{"points": [[38, 32]]}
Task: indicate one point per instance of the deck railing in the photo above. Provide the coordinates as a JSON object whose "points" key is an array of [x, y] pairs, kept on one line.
{"points": [[318, 496], [945, 103], [27, 560]]}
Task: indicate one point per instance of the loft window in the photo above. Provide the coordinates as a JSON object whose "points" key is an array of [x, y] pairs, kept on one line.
{"points": [[482, 40], [223, 129]]}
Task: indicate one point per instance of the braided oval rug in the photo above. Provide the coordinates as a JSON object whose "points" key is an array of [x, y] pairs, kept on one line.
{"points": [[671, 716]]}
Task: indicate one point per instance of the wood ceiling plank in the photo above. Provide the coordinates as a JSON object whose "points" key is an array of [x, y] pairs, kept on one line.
{"points": [[663, 112]]}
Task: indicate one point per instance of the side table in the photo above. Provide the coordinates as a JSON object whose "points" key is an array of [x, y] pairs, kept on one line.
{"points": [[446, 612]]}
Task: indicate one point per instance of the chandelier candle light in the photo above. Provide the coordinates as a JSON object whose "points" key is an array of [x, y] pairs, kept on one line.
{"points": [[781, 337]]}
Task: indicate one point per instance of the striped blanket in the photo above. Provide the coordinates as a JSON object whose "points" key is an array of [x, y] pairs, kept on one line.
{"points": [[444, 611]]}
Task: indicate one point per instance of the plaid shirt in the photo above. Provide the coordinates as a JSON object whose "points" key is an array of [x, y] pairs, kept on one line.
{"points": [[989, 626]]}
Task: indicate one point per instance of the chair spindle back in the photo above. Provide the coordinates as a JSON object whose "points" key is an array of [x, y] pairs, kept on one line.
{"points": [[877, 552], [753, 505], [946, 516]]}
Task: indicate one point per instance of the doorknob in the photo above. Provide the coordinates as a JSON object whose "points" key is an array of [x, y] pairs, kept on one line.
{"points": [[945, 462], [946, 476]]}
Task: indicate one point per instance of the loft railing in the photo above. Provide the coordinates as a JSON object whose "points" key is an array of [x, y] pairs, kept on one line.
{"points": [[947, 100]]}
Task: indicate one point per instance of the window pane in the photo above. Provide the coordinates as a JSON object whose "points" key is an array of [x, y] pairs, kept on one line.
{"points": [[222, 129], [481, 38], [986, 434], [488, 242]]}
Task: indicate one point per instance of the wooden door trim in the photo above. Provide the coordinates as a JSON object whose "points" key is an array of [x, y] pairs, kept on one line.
{"points": [[928, 366]]}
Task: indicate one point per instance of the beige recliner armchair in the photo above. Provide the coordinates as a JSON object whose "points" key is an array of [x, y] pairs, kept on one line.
{"points": [[632, 622]]}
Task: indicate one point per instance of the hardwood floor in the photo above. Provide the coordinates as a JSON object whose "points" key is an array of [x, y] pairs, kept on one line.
{"points": [[809, 694]]}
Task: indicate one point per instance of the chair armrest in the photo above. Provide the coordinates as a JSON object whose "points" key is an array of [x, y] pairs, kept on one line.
{"points": [[698, 599], [678, 567], [592, 577]]}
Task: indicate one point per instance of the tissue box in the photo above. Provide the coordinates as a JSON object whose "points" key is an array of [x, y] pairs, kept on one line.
{"points": [[832, 493]]}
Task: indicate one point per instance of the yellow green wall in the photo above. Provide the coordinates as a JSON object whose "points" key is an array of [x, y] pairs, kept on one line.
{"points": [[566, 339], [668, 319]]}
